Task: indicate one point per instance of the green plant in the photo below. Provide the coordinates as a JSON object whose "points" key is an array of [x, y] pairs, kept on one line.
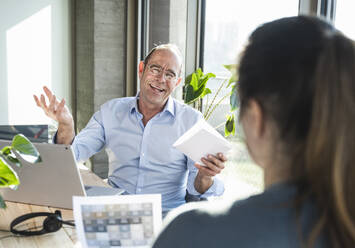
{"points": [[8, 155], [195, 90]]}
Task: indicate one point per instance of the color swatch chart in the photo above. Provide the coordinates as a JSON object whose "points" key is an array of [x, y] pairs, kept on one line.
{"points": [[131, 222]]}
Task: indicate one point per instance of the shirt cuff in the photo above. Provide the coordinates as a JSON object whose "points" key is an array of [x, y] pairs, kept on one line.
{"points": [[216, 189], [54, 140]]}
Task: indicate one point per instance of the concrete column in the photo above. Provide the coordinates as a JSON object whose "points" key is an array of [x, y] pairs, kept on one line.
{"points": [[100, 55], [84, 61]]}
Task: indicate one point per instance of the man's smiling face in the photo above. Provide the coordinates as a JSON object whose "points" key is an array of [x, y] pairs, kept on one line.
{"points": [[159, 77]]}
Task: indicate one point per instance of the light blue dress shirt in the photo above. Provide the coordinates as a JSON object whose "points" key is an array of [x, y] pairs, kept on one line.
{"points": [[145, 160]]}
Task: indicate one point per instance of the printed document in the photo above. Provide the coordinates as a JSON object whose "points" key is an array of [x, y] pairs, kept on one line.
{"points": [[118, 221]]}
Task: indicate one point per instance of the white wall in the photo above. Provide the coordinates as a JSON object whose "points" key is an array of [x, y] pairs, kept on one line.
{"points": [[34, 51]]}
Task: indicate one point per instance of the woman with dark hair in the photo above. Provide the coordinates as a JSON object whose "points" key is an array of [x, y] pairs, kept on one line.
{"points": [[297, 109]]}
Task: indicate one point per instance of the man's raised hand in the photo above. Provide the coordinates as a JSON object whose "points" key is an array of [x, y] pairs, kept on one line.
{"points": [[56, 110], [59, 112]]}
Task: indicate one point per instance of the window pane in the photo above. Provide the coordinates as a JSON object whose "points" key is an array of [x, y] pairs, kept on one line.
{"points": [[225, 37], [228, 24], [345, 18]]}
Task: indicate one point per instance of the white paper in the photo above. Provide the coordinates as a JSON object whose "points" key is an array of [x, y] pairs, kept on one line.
{"points": [[127, 220], [201, 140]]}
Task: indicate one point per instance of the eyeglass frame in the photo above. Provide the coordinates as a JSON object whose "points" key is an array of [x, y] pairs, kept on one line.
{"points": [[158, 70]]}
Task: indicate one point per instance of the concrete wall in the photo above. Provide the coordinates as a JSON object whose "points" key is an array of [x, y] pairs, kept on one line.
{"points": [[84, 61], [100, 54]]}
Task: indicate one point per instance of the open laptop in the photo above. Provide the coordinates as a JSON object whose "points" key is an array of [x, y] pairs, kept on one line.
{"points": [[54, 181]]}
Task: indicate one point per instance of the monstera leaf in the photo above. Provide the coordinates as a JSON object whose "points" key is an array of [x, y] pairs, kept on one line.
{"points": [[23, 147], [195, 89], [233, 70], [229, 128], [8, 176], [234, 100], [9, 156], [26, 149], [195, 86]]}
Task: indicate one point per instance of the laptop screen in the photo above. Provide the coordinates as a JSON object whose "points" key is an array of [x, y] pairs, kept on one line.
{"points": [[122, 221], [35, 133]]}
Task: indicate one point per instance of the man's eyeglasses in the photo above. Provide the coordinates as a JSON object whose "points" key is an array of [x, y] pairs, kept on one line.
{"points": [[157, 70]]}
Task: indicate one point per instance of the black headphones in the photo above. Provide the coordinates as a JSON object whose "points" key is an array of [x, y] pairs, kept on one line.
{"points": [[52, 223]]}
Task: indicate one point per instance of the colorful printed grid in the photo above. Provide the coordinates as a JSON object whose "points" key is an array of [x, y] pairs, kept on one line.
{"points": [[118, 225]]}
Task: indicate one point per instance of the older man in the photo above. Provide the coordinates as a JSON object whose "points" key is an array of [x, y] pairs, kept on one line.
{"points": [[140, 132]]}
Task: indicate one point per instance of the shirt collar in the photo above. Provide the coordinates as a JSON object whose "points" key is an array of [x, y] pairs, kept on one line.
{"points": [[169, 106], [134, 104]]}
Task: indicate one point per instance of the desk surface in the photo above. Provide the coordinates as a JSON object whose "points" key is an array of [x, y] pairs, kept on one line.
{"points": [[65, 237]]}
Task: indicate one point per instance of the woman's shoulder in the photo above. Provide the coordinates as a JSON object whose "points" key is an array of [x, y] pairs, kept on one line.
{"points": [[261, 216]]}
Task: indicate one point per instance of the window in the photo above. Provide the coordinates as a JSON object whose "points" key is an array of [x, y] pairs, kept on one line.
{"points": [[344, 17], [228, 23], [34, 51]]}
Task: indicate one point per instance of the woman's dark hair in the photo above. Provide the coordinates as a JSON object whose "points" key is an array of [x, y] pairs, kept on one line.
{"points": [[301, 71]]}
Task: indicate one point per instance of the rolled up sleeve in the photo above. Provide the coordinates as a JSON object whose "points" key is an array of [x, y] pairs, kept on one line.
{"points": [[216, 189]]}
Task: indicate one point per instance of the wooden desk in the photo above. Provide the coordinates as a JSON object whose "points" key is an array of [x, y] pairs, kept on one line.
{"points": [[65, 237]]}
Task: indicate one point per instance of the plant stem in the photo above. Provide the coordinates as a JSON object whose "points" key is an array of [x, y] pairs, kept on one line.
{"points": [[221, 124], [207, 100], [214, 98], [215, 106]]}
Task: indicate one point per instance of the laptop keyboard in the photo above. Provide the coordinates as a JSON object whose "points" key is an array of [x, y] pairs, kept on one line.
{"points": [[101, 191]]}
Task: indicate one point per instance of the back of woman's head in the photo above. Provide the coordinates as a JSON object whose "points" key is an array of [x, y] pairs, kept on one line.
{"points": [[301, 71]]}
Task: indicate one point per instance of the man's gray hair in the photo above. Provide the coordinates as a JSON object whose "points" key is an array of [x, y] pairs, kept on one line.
{"points": [[169, 46]]}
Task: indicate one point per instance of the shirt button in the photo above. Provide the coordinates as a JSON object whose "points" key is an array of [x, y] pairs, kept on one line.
{"points": [[143, 154], [139, 189]]}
